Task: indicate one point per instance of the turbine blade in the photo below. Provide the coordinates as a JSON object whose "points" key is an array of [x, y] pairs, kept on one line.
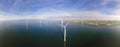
{"points": [[66, 24]]}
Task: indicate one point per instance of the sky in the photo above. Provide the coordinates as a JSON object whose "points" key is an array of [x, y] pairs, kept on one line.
{"points": [[59, 8]]}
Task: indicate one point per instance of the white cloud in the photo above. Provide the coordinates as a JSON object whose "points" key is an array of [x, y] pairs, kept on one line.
{"points": [[105, 2], [50, 12], [96, 15], [117, 12], [10, 17], [116, 1], [79, 14]]}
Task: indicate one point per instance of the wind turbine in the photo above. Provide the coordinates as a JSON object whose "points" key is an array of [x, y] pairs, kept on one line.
{"points": [[26, 23], [64, 29], [40, 22]]}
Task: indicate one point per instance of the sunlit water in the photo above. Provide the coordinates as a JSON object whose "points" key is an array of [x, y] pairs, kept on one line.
{"points": [[48, 33]]}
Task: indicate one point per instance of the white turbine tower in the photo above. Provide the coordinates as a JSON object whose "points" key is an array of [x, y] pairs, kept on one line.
{"points": [[26, 24], [40, 22], [64, 29]]}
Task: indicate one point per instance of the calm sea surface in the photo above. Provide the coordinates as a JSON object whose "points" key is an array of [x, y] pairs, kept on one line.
{"points": [[48, 33]]}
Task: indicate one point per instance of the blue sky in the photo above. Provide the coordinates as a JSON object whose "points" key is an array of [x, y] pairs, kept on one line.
{"points": [[53, 7]]}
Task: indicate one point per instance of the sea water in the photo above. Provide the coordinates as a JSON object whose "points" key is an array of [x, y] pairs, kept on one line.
{"points": [[49, 33]]}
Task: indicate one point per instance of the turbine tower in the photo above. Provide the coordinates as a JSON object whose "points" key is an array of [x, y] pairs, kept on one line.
{"points": [[40, 22], [26, 24], [64, 29]]}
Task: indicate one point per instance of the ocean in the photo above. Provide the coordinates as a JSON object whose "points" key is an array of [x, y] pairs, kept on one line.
{"points": [[48, 33]]}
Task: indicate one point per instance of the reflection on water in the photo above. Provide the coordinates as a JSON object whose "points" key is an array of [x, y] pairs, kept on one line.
{"points": [[47, 33]]}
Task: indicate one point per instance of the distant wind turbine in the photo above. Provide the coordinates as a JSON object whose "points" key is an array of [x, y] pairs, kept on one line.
{"points": [[40, 22], [26, 24]]}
